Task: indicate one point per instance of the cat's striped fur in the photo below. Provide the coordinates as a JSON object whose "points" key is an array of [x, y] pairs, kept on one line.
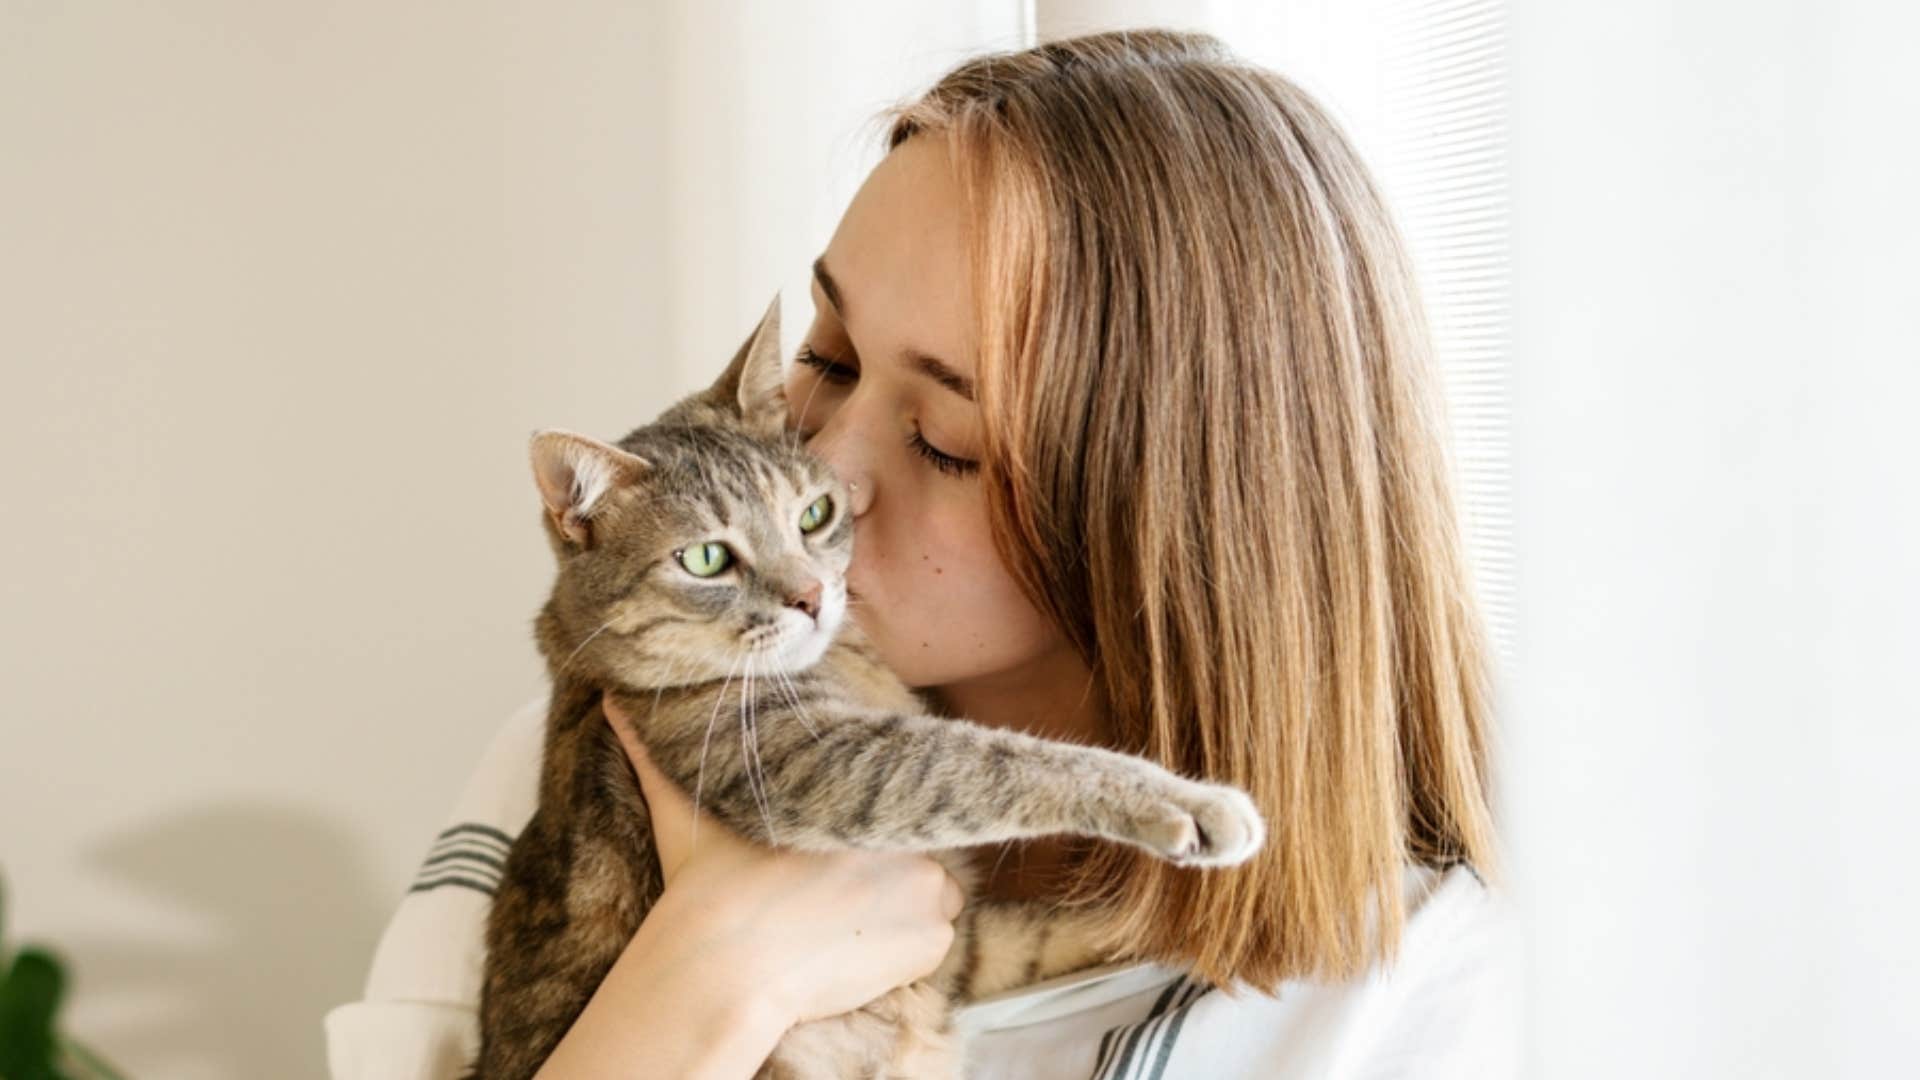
{"points": [[786, 726]]}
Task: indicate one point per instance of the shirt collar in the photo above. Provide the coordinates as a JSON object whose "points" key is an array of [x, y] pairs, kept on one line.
{"points": [[1073, 992]]}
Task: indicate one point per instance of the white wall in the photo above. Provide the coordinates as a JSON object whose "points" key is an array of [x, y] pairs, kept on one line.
{"points": [[283, 289], [1714, 718]]}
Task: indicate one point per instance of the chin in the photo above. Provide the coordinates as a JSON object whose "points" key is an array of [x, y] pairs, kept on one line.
{"points": [[805, 650]]}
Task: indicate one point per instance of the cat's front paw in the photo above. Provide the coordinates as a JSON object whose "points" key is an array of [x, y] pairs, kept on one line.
{"points": [[1204, 825]]}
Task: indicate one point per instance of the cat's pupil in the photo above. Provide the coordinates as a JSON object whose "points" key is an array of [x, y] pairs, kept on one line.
{"points": [[706, 559], [816, 515]]}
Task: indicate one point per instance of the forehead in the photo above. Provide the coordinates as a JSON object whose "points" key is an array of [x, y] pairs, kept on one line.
{"points": [[900, 255]]}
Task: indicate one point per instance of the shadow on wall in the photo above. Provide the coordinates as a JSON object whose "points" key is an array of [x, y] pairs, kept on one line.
{"points": [[292, 916]]}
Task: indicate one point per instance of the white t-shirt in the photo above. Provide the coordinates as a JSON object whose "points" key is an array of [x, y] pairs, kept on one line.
{"points": [[1447, 1007]]}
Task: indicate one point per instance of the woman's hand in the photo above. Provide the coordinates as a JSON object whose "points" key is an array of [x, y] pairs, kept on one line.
{"points": [[810, 935]]}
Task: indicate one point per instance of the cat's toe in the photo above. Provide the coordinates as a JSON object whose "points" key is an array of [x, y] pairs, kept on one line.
{"points": [[1171, 833], [1229, 826]]}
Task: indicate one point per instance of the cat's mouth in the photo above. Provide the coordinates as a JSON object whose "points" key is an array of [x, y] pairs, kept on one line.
{"points": [[764, 640], [794, 642], [783, 643]]}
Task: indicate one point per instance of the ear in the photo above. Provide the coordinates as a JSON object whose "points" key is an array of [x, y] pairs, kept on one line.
{"points": [[753, 386], [575, 475]]}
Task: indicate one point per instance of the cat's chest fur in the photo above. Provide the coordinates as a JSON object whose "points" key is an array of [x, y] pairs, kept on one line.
{"points": [[588, 856]]}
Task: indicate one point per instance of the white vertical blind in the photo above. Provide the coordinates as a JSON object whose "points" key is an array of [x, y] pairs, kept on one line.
{"points": [[1419, 85], [1443, 161]]}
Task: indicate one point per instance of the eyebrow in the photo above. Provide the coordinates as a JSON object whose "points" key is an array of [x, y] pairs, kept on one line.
{"points": [[930, 366], [829, 286]]}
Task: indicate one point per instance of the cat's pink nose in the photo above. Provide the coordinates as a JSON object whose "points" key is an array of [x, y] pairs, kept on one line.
{"points": [[808, 601]]}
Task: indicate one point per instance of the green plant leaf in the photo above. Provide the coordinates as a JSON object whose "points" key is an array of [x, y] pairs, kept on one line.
{"points": [[30, 994]]}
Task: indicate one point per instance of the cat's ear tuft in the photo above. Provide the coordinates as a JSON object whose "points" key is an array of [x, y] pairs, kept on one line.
{"points": [[575, 474], [754, 386]]}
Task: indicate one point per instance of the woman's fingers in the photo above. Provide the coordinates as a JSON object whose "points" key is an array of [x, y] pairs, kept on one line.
{"points": [[820, 932], [952, 898]]}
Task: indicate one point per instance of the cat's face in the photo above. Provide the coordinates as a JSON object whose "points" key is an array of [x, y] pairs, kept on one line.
{"points": [[706, 544]]}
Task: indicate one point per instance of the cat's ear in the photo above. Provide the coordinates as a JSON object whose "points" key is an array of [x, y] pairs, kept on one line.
{"points": [[575, 474], [754, 387]]}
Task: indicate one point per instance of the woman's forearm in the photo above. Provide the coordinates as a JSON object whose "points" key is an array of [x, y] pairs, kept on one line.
{"points": [[669, 1006]]}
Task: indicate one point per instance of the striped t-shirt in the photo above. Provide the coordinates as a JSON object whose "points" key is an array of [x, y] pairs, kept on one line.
{"points": [[1447, 1007]]}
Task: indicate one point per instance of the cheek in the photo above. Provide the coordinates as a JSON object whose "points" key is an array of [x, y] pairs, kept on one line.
{"points": [[947, 610]]}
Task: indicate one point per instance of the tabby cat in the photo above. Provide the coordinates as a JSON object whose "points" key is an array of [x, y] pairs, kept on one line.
{"points": [[702, 584]]}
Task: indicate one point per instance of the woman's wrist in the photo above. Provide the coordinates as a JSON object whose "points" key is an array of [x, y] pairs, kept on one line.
{"points": [[671, 1006], [683, 949]]}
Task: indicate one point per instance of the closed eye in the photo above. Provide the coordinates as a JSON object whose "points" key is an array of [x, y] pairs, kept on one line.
{"points": [[838, 373], [946, 463], [830, 369]]}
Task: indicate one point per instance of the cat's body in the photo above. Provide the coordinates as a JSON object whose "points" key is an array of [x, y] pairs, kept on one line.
{"points": [[785, 725]]}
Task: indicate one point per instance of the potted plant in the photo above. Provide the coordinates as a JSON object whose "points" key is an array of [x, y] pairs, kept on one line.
{"points": [[32, 983]]}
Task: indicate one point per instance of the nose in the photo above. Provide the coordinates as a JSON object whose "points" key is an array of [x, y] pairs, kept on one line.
{"points": [[859, 494], [858, 481], [807, 600], [836, 444]]}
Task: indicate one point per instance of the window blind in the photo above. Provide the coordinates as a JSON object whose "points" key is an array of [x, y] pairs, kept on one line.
{"points": [[1442, 160]]}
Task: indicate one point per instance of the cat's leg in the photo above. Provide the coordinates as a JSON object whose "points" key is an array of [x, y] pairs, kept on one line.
{"points": [[917, 782], [928, 1046], [552, 935], [853, 1044]]}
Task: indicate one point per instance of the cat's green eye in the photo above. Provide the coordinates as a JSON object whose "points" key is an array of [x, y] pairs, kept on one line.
{"points": [[706, 560], [816, 515]]}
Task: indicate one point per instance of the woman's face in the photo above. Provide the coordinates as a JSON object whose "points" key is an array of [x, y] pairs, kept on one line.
{"points": [[881, 389]]}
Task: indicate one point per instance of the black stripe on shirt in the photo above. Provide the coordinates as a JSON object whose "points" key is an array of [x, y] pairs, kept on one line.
{"points": [[1173, 1022], [453, 880], [1155, 1029], [477, 830], [1106, 1048], [1118, 1049], [429, 875], [485, 856], [468, 855]]}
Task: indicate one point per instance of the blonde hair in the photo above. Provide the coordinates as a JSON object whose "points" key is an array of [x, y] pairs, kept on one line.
{"points": [[1215, 455]]}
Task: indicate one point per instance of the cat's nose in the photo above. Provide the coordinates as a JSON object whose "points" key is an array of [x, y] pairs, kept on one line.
{"points": [[807, 601]]}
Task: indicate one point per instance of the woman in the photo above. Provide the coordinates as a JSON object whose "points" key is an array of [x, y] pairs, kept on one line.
{"points": [[1120, 356]]}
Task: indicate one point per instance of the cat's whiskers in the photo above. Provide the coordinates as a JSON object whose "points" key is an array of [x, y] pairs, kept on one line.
{"points": [[793, 699], [672, 679], [760, 764], [589, 640], [795, 444], [1005, 846], [749, 746], [700, 776]]}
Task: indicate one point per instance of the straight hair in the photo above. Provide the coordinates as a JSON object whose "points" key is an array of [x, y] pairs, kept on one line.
{"points": [[1216, 456]]}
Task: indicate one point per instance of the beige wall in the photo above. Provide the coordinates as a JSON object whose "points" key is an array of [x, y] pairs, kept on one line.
{"points": [[283, 289]]}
